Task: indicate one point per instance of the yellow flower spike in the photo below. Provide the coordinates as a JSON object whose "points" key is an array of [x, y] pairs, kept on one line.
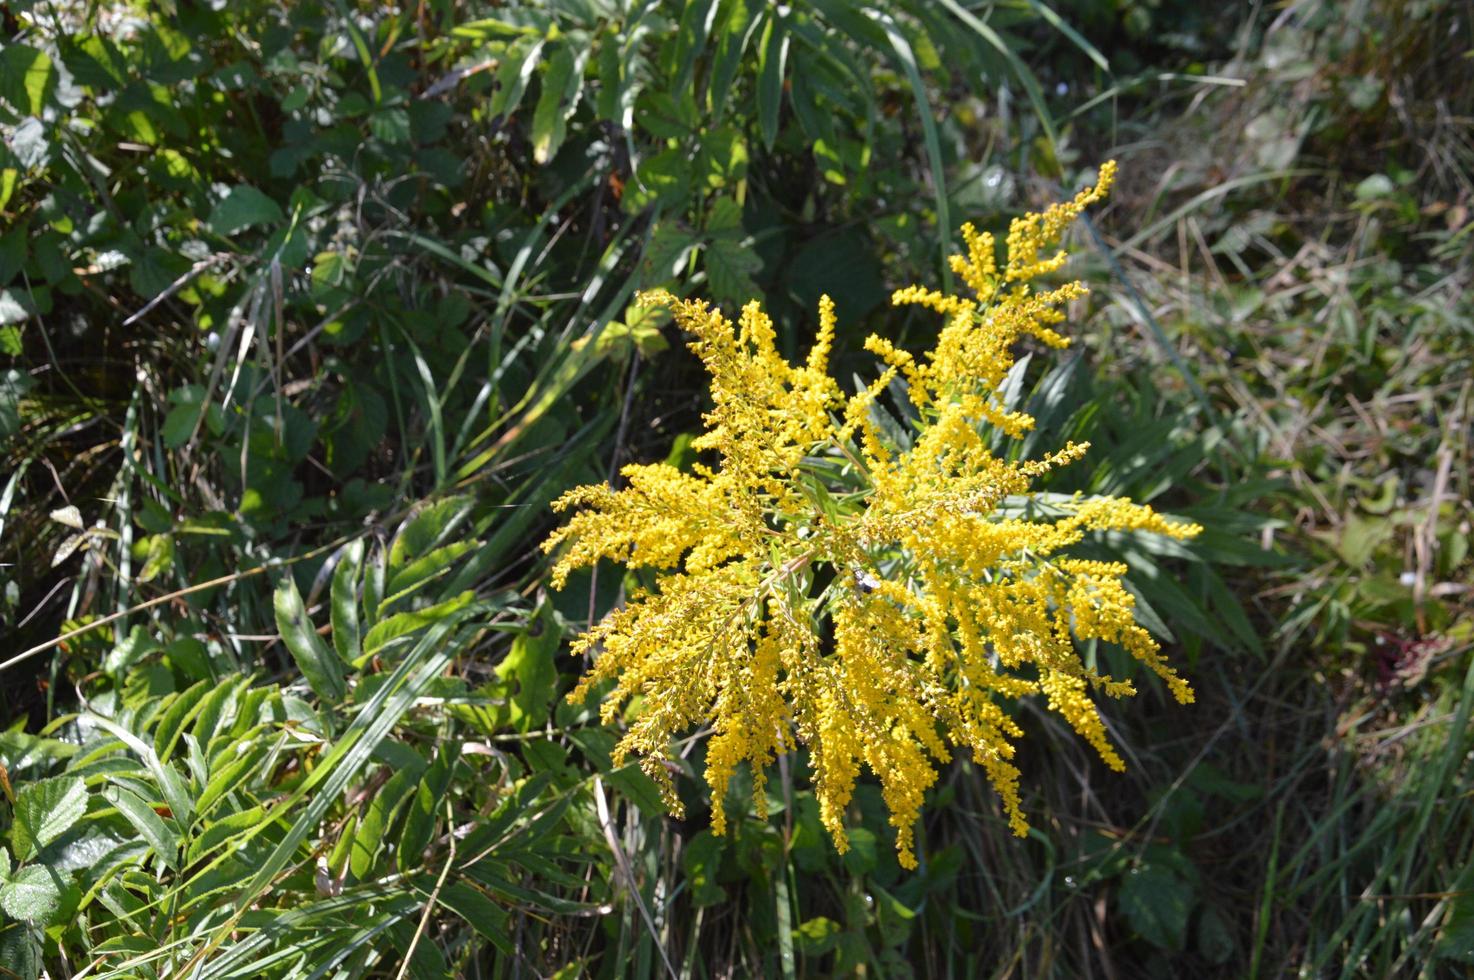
{"points": [[876, 609]]}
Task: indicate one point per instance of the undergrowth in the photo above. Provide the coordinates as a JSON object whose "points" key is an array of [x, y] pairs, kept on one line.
{"points": [[309, 312]]}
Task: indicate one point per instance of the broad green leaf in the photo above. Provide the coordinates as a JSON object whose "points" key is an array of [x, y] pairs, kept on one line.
{"points": [[346, 633], [528, 666], [730, 265], [32, 893], [150, 826], [321, 667], [228, 776], [1157, 904], [45, 810], [244, 207]]}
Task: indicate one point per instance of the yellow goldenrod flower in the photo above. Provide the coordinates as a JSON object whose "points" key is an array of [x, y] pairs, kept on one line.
{"points": [[828, 584]]}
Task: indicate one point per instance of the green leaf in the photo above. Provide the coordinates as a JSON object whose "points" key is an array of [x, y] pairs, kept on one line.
{"points": [[243, 208], [346, 633], [1375, 187], [427, 530], [27, 77], [772, 62], [150, 825], [391, 125], [1215, 941], [485, 916], [512, 76], [185, 706], [1456, 942], [31, 893], [20, 949], [730, 265], [1157, 904], [402, 624], [419, 821], [422, 571], [817, 936], [378, 818], [44, 811], [549, 121], [702, 861], [189, 404], [529, 668], [321, 667]]}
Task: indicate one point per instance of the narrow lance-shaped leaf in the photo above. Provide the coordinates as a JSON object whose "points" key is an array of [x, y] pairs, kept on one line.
{"points": [[345, 601], [771, 64], [150, 825], [323, 670]]}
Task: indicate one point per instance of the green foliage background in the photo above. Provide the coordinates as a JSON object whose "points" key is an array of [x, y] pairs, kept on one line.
{"points": [[307, 310]]}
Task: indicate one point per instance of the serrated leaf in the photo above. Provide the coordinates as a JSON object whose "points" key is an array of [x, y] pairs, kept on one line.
{"points": [[321, 667], [45, 810], [243, 207], [32, 893], [390, 125], [729, 268]]}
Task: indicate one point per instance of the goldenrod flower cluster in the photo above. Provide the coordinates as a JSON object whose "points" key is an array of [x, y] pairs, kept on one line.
{"points": [[825, 584]]}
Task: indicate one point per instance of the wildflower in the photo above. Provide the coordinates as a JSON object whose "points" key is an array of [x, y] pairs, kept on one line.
{"points": [[941, 609]]}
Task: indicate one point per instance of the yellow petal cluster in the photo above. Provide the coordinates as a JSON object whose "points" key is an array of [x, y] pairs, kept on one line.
{"points": [[829, 583]]}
